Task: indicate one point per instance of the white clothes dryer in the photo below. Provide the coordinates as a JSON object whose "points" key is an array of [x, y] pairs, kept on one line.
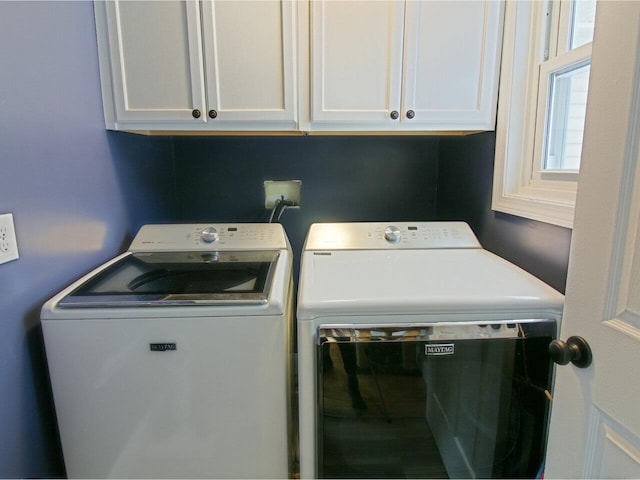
{"points": [[173, 359], [420, 355]]}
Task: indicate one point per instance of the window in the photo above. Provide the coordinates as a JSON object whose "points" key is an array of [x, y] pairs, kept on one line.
{"points": [[567, 105], [543, 100]]}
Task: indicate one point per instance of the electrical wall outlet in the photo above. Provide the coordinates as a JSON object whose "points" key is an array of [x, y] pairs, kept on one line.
{"points": [[8, 244], [275, 190]]}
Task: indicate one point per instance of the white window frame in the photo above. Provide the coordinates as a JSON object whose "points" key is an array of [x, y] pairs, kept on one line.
{"points": [[533, 47]]}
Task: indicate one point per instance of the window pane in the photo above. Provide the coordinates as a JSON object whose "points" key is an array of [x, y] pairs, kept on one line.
{"points": [[565, 121], [582, 21]]}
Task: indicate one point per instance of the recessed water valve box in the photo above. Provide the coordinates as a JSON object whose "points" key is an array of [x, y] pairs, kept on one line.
{"points": [[275, 190]]}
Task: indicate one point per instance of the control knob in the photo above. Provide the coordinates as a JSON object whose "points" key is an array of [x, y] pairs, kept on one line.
{"points": [[392, 234], [209, 235]]}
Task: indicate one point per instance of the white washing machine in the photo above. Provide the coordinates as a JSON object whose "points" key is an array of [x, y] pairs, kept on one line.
{"points": [[173, 359], [420, 355]]}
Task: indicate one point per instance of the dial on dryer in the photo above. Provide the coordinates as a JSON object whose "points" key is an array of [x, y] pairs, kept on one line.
{"points": [[209, 235], [392, 234]]}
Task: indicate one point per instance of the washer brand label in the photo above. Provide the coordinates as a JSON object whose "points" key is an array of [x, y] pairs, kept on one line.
{"points": [[162, 347], [440, 349]]}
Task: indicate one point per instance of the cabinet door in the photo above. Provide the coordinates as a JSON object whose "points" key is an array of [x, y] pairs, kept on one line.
{"points": [[150, 62], [452, 57], [250, 63], [356, 62]]}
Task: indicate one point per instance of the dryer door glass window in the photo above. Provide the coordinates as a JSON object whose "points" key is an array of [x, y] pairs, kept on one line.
{"points": [[179, 278], [467, 401]]}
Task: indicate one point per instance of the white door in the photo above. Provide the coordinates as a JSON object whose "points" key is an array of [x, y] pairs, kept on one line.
{"points": [[595, 421]]}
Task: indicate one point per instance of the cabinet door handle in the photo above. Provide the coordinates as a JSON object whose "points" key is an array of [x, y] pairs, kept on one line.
{"points": [[196, 113], [410, 114], [213, 114], [394, 115]]}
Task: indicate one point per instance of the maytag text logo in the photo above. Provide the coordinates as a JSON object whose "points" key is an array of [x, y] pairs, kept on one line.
{"points": [[162, 347], [440, 349]]}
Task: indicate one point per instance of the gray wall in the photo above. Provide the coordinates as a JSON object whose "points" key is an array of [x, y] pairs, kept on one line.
{"points": [[77, 193]]}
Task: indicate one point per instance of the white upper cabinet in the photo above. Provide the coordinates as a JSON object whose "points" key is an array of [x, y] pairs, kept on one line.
{"points": [[299, 65], [249, 61], [198, 65], [150, 62], [356, 62], [414, 65]]}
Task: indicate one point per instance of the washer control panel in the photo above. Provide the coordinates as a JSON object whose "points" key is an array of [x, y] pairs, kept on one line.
{"points": [[198, 237], [390, 235]]}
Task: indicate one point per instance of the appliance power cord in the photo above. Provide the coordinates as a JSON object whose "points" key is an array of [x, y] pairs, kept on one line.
{"points": [[279, 208]]}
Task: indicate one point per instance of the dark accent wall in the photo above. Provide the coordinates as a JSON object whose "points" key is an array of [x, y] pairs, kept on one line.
{"points": [[357, 178], [364, 178], [465, 180]]}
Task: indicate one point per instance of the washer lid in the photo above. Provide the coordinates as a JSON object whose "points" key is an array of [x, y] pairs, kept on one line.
{"points": [[179, 278], [356, 282]]}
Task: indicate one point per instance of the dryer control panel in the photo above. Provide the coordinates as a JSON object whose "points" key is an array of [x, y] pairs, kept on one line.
{"points": [[390, 235], [207, 236]]}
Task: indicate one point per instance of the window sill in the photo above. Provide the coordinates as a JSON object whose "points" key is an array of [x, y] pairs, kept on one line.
{"points": [[535, 208]]}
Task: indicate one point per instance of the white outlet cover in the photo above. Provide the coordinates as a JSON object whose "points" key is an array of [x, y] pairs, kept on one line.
{"points": [[8, 243]]}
